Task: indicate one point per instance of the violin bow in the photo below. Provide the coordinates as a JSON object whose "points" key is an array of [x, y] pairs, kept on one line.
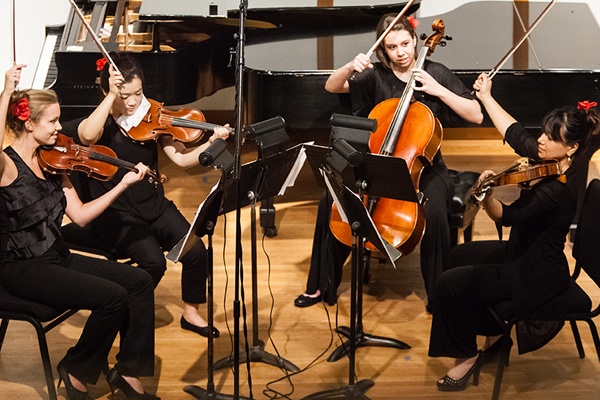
{"points": [[498, 66], [93, 35], [14, 34], [389, 28]]}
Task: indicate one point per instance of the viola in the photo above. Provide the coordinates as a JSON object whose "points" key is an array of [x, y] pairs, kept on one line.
{"points": [[185, 125], [98, 162], [408, 130], [522, 172]]}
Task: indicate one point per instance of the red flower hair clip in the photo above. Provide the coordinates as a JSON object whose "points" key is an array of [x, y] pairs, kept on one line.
{"points": [[100, 63], [586, 105], [413, 22], [20, 109]]}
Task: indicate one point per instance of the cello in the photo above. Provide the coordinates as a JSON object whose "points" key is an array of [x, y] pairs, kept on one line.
{"points": [[406, 129]]}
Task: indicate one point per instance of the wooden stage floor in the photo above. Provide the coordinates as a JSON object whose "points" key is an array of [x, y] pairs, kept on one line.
{"points": [[393, 307]]}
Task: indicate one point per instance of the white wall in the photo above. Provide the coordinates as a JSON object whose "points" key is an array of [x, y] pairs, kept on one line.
{"points": [[31, 19]]}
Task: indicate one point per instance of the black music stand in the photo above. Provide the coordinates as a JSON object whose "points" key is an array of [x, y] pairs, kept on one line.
{"points": [[204, 224], [380, 176], [260, 179], [363, 229]]}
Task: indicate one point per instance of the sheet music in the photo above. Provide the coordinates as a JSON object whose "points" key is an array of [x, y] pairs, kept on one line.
{"points": [[291, 178], [336, 200], [382, 245], [189, 240]]}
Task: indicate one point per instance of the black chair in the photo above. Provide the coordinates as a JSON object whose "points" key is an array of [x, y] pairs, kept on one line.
{"points": [[463, 211], [586, 251], [43, 318]]}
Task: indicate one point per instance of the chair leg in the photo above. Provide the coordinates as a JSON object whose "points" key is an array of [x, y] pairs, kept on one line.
{"points": [[594, 332], [3, 328], [503, 358], [41, 334], [468, 233], [577, 338], [453, 237]]}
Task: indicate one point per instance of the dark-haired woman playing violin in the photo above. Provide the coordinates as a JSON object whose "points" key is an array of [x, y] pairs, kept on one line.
{"points": [[35, 263], [531, 267], [143, 223]]}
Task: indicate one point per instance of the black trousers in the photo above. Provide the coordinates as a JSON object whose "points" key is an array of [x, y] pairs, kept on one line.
{"points": [[477, 279], [146, 241], [329, 254], [120, 297]]}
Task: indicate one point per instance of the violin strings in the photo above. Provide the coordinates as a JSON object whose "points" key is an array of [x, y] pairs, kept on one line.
{"points": [[187, 123]]}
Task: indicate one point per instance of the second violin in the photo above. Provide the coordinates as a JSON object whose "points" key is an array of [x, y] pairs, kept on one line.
{"points": [[185, 125]]}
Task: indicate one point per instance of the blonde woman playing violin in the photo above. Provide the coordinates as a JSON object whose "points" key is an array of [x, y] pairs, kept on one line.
{"points": [[530, 268], [35, 263]]}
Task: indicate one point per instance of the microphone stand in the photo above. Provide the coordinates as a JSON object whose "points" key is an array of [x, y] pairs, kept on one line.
{"points": [[236, 179]]}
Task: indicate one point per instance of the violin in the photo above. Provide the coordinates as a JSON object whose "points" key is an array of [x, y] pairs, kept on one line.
{"points": [[98, 162], [185, 125], [521, 173]]}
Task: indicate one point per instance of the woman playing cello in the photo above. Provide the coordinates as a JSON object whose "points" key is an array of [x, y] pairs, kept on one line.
{"points": [[449, 100]]}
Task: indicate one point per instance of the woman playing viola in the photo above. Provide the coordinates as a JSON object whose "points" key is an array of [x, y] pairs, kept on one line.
{"points": [[143, 223], [449, 100], [36, 264], [531, 267]]}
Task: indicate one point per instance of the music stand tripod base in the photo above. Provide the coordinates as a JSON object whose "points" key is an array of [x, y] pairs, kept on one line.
{"points": [[258, 354], [362, 340], [355, 391], [206, 394]]}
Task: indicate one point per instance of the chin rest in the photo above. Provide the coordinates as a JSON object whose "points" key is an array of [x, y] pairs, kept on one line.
{"points": [[463, 211]]}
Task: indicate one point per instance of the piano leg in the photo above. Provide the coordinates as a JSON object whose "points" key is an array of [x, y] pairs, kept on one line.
{"points": [[267, 217]]}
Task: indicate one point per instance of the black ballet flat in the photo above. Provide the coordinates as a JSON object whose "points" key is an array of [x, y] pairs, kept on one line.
{"points": [[447, 384], [200, 330], [491, 353], [306, 301], [116, 381], [72, 393]]}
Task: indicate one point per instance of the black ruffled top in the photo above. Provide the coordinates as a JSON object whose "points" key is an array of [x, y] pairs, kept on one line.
{"points": [[31, 213]]}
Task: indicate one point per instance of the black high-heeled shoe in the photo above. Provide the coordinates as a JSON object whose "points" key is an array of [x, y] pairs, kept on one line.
{"points": [[491, 353], [116, 380], [447, 384], [200, 330], [72, 393]]}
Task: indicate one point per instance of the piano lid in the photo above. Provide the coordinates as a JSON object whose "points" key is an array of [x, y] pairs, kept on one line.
{"points": [[482, 33]]}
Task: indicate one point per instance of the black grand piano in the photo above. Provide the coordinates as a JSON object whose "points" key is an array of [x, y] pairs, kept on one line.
{"points": [[290, 51], [187, 49]]}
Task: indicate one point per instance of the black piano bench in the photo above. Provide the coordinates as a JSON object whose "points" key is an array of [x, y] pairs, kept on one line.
{"points": [[463, 210], [43, 318]]}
